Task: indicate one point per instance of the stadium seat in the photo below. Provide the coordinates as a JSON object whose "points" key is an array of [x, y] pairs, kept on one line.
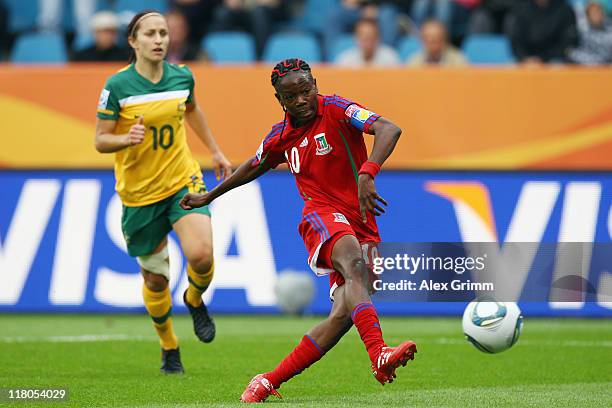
{"points": [[340, 45], [22, 14], [39, 48], [229, 47], [408, 46], [136, 6], [488, 49], [289, 45]]}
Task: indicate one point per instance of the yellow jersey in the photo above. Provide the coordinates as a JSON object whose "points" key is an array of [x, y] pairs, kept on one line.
{"points": [[162, 164]]}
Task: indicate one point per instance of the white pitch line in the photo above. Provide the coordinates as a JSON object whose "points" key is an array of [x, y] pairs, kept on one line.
{"points": [[85, 338], [92, 338]]}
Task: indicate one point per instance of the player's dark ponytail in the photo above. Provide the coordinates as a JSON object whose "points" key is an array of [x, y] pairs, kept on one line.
{"points": [[132, 29]]}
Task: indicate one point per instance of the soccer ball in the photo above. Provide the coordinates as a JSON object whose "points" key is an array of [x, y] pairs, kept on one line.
{"points": [[294, 291], [492, 326]]}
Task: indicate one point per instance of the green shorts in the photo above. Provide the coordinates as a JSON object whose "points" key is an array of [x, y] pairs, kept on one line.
{"points": [[145, 227]]}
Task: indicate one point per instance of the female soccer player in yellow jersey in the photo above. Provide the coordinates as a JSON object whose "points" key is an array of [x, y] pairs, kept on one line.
{"points": [[141, 115]]}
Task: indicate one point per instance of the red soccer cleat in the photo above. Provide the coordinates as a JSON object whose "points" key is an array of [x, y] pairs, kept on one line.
{"points": [[390, 358], [258, 390]]}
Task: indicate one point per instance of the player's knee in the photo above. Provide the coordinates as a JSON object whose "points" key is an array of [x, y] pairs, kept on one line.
{"points": [[355, 270], [155, 282], [201, 261], [156, 264]]}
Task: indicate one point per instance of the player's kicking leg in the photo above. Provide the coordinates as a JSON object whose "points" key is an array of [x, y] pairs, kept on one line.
{"points": [[158, 302], [351, 305], [195, 234], [348, 260], [319, 340]]}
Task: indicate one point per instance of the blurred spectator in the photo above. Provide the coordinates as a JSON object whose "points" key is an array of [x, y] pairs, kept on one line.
{"points": [[436, 48], [199, 14], [454, 14], [4, 36], [258, 17], [51, 13], [345, 16], [266, 16], [104, 25], [440, 10], [179, 48], [605, 4], [231, 15], [369, 51], [493, 16], [462, 11], [595, 33], [543, 31]]}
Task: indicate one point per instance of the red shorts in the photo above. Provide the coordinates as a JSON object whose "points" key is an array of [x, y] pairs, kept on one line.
{"points": [[320, 230]]}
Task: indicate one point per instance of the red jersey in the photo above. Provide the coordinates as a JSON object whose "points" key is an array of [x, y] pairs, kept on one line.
{"points": [[324, 156]]}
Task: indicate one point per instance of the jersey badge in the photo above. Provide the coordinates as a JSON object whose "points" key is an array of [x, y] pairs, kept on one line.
{"points": [[259, 151], [340, 218], [322, 146], [103, 101]]}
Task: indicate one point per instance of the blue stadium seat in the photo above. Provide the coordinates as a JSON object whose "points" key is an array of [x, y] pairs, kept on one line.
{"points": [[22, 14], [488, 49], [39, 48], [136, 6], [289, 45], [341, 44], [229, 47], [408, 46]]}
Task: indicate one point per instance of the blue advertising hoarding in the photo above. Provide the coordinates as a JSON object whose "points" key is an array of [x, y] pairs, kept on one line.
{"points": [[61, 246]]}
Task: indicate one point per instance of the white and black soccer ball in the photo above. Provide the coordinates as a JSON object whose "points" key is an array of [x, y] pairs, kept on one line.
{"points": [[294, 291], [492, 326]]}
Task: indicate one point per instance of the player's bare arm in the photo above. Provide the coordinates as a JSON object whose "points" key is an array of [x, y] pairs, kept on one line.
{"points": [[196, 119], [386, 134], [108, 142], [243, 175]]}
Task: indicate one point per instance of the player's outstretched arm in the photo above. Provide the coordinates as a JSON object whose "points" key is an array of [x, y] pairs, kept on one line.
{"points": [[196, 119], [243, 174], [386, 136], [108, 142]]}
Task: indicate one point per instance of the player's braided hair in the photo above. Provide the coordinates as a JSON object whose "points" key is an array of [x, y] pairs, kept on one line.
{"points": [[284, 67]]}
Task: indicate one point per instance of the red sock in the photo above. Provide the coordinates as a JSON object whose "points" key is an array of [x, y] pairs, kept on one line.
{"points": [[366, 320], [303, 356]]}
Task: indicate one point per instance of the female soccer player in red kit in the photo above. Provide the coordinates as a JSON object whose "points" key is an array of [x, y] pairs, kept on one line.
{"points": [[321, 139]]}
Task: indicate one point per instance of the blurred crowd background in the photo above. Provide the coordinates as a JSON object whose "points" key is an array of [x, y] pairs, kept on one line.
{"points": [[351, 33]]}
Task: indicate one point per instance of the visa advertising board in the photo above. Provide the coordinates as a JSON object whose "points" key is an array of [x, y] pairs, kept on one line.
{"points": [[62, 249]]}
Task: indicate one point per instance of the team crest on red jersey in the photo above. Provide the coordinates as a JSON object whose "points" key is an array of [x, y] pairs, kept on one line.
{"points": [[322, 146], [338, 217]]}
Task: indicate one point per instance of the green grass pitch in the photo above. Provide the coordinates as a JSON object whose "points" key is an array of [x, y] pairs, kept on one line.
{"points": [[114, 361]]}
